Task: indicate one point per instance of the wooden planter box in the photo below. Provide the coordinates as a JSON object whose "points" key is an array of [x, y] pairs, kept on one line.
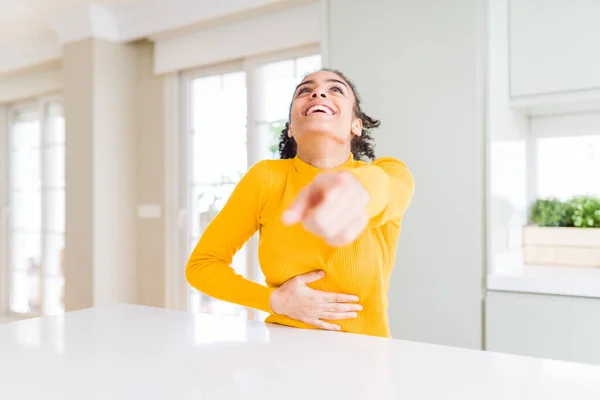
{"points": [[562, 246]]}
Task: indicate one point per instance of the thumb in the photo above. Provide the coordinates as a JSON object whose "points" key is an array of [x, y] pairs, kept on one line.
{"points": [[310, 277], [298, 209]]}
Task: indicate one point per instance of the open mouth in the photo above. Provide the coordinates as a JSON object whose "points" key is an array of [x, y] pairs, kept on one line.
{"points": [[319, 109]]}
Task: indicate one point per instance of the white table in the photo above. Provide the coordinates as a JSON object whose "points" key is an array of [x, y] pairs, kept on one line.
{"points": [[130, 352]]}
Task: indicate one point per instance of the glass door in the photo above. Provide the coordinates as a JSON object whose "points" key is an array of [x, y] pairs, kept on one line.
{"points": [[217, 154], [25, 231], [224, 134], [37, 209]]}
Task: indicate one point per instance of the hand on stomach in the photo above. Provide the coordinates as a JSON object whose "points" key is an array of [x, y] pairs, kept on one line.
{"points": [[298, 301]]}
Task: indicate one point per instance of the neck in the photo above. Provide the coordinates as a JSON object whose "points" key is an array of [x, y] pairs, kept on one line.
{"points": [[322, 159]]}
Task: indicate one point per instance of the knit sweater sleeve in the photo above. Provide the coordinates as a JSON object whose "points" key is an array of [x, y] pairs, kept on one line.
{"points": [[209, 267], [390, 185]]}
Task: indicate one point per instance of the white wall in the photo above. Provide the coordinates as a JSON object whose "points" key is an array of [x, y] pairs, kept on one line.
{"points": [[150, 180], [115, 168], [557, 327], [419, 67], [100, 100]]}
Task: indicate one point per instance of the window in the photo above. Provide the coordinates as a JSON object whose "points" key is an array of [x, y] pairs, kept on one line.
{"points": [[217, 160], [36, 204], [550, 156], [224, 135], [276, 83], [565, 155], [568, 166]]}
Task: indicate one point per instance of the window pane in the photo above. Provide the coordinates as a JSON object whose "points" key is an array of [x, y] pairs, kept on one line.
{"points": [[240, 261], [54, 254], [207, 201], [25, 293], [271, 132], [218, 160], [25, 251], [277, 83], [307, 65], [55, 124], [219, 128], [25, 130], [25, 149], [568, 166], [54, 296], [26, 209], [54, 168], [195, 214], [234, 95], [25, 164], [55, 210], [205, 99]]}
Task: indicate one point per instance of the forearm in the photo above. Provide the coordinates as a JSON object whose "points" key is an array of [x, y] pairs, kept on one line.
{"points": [[217, 279]]}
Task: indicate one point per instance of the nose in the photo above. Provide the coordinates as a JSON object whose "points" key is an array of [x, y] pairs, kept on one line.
{"points": [[318, 92]]}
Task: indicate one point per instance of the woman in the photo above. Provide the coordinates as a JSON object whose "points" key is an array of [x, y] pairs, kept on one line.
{"points": [[329, 223]]}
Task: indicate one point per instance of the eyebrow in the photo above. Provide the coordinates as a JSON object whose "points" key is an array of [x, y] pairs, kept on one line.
{"points": [[311, 82]]}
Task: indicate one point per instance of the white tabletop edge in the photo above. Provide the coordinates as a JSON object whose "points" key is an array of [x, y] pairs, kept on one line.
{"points": [[125, 351]]}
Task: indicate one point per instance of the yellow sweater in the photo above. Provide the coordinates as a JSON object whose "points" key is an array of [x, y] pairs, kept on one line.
{"points": [[362, 268]]}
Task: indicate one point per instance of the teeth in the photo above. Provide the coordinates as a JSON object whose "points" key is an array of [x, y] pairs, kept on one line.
{"points": [[319, 107]]}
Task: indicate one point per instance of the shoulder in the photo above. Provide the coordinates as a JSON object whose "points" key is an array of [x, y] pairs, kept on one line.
{"points": [[268, 177], [266, 172], [393, 167], [279, 165], [267, 168], [386, 163], [389, 162]]}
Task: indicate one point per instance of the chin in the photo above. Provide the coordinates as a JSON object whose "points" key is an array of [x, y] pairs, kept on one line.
{"points": [[321, 128], [320, 138]]}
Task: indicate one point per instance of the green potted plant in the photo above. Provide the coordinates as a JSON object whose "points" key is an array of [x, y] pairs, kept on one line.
{"points": [[563, 232]]}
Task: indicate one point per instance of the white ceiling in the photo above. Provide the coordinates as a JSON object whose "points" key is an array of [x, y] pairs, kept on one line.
{"points": [[32, 32], [22, 19]]}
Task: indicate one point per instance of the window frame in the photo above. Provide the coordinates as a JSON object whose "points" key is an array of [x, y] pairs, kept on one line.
{"points": [[185, 164], [39, 104], [179, 125]]}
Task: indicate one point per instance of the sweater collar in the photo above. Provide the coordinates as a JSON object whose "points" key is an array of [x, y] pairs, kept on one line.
{"points": [[304, 168]]}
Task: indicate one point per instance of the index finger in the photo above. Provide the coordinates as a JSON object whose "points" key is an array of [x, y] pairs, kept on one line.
{"points": [[329, 297]]}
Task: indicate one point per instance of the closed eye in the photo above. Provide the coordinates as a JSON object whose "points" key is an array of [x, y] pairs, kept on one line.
{"points": [[302, 90], [337, 89]]}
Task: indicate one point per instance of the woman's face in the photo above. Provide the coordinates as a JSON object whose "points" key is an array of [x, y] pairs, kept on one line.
{"points": [[323, 108]]}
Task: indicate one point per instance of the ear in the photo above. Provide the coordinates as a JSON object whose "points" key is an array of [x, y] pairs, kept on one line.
{"points": [[357, 126], [290, 130]]}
